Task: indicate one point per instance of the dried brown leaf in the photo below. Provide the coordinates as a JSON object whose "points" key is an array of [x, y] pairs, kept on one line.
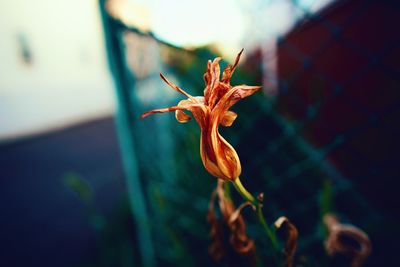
{"points": [[235, 237], [338, 239], [291, 234]]}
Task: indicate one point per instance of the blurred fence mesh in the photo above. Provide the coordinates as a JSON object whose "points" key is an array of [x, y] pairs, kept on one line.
{"points": [[331, 127]]}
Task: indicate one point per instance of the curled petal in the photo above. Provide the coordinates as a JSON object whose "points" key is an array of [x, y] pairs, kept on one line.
{"points": [[218, 156], [179, 114], [182, 116], [199, 99], [234, 95], [226, 157], [208, 157], [228, 118]]}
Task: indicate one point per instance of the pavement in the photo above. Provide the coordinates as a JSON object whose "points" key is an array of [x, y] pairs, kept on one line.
{"points": [[42, 221]]}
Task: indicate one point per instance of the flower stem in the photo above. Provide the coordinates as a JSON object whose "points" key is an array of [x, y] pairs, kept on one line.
{"points": [[260, 216], [269, 231], [243, 191]]}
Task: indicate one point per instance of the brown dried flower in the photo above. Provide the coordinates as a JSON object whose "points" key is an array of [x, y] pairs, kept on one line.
{"points": [[291, 234], [358, 249], [232, 220], [211, 110]]}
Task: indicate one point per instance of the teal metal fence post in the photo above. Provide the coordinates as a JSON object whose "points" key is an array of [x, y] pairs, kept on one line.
{"points": [[124, 120]]}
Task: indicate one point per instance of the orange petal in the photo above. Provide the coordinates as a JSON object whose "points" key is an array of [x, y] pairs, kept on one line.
{"points": [[207, 74], [180, 115], [228, 71], [237, 60], [230, 98], [239, 92], [228, 118], [161, 110], [227, 74], [176, 88], [226, 157], [208, 157], [215, 72], [187, 106], [211, 77]]}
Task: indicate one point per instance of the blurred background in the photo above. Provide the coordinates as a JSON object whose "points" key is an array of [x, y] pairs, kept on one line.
{"points": [[85, 182]]}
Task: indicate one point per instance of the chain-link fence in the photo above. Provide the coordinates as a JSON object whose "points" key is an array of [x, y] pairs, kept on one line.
{"points": [[325, 141]]}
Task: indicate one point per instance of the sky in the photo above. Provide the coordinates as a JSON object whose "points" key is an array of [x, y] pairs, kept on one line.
{"points": [[231, 24], [68, 79]]}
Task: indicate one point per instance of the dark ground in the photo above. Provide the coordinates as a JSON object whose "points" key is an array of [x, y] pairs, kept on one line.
{"points": [[42, 221]]}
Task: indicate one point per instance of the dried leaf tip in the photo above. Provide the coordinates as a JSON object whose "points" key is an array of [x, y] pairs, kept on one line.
{"points": [[291, 234]]}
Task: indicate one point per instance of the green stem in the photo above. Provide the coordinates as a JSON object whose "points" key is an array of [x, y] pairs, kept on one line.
{"points": [[270, 231], [245, 194], [260, 216]]}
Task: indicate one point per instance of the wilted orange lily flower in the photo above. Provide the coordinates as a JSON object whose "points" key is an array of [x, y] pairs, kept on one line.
{"points": [[218, 156]]}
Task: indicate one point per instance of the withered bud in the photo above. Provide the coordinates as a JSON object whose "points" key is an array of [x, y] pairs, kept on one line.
{"points": [[260, 197], [228, 232], [347, 240], [291, 234]]}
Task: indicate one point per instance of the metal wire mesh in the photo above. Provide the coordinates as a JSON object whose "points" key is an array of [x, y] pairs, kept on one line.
{"points": [[337, 101]]}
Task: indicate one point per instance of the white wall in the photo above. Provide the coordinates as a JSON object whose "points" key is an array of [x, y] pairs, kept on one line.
{"points": [[68, 79]]}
